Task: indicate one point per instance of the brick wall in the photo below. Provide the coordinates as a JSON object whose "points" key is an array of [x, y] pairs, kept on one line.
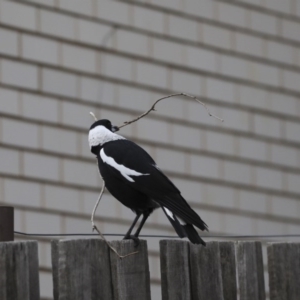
{"points": [[60, 59]]}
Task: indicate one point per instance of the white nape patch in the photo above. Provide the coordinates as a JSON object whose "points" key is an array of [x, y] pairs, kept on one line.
{"points": [[169, 213], [101, 135], [126, 172]]}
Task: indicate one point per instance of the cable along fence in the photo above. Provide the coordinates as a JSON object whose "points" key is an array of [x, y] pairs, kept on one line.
{"points": [[87, 269]]}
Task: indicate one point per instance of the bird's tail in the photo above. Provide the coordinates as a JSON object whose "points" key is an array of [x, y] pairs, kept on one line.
{"points": [[175, 222], [193, 235], [183, 230]]}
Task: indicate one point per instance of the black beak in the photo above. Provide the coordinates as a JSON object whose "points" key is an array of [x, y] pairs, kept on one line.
{"points": [[114, 128]]}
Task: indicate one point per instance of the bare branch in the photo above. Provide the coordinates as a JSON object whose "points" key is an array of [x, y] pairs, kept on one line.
{"points": [[97, 203], [169, 96]]}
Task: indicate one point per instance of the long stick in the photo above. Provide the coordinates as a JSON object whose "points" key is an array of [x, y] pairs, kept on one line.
{"points": [[152, 108]]}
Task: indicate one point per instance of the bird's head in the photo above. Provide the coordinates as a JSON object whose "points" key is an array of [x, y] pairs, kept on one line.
{"points": [[101, 132]]}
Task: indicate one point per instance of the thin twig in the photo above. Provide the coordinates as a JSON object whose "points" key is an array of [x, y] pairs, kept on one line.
{"points": [[93, 115], [97, 203], [173, 95], [99, 232]]}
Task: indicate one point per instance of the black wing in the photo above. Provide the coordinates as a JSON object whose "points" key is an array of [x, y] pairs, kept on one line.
{"points": [[132, 156], [155, 184]]}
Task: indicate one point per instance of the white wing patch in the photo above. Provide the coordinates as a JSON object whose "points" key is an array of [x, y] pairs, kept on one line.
{"points": [[126, 172]]}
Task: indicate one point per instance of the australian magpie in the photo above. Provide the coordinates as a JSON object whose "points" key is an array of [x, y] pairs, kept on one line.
{"points": [[132, 177]]}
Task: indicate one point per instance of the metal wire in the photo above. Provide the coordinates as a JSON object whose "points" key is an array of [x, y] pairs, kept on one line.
{"points": [[163, 236]]}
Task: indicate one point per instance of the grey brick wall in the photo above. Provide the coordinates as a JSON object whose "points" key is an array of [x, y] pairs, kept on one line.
{"points": [[60, 59]]}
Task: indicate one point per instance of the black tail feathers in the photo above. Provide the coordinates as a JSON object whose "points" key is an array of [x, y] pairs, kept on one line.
{"points": [[175, 223], [186, 230], [193, 235]]}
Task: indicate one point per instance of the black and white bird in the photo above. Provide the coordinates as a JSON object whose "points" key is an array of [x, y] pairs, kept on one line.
{"points": [[133, 178]]}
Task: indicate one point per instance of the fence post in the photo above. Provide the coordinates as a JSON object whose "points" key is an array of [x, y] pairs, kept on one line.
{"points": [[250, 271], [284, 271], [228, 270], [130, 275], [6, 223], [175, 270], [206, 272], [81, 270], [19, 274]]}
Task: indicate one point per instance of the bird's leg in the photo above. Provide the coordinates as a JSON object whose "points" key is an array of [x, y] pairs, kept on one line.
{"points": [[127, 235], [145, 217], [135, 236]]}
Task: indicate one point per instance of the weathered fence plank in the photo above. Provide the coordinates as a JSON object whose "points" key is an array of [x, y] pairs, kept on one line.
{"points": [[175, 270], [228, 270], [33, 276], [210, 269], [250, 271], [284, 271], [206, 272], [81, 270], [54, 259], [130, 275], [19, 279]]}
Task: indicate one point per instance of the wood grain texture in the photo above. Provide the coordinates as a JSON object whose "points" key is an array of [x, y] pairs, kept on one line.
{"points": [[228, 270], [81, 270], [284, 271], [206, 272], [250, 271], [19, 277], [54, 259], [33, 276], [175, 270], [130, 275]]}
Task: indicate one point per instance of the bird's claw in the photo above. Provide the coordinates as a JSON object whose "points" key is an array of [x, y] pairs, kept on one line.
{"points": [[134, 238]]}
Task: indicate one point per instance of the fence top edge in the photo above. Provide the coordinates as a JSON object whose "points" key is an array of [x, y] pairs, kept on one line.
{"points": [[15, 243], [76, 240], [95, 240], [173, 241], [272, 244]]}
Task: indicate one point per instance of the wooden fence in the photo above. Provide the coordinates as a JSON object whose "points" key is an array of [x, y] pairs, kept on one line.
{"points": [[87, 269]]}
